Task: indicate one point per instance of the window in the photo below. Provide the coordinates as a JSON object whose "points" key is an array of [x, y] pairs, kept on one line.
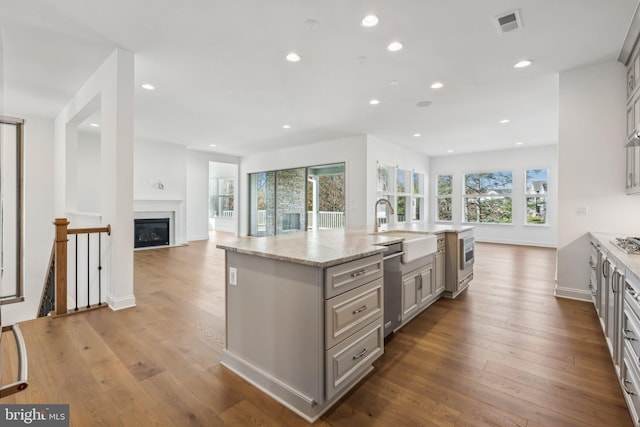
{"points": [[417, 204], [297, 199], [443, 195], [404, 188], [536, 181], [487, 197]]}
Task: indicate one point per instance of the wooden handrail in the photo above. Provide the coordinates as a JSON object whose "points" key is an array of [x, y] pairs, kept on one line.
{"points": [[106, 229], [62, 234]]}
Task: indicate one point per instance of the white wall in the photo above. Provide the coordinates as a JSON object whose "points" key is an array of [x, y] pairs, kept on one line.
{"points": [[592, 168], [109, 90], [88, 172], [351, 151], [38, 216], [517, 160], [388, 153], [198, 191], [155, 162]]}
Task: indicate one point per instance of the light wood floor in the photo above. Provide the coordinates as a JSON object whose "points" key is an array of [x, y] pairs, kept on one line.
{"points": [[505, 353]]}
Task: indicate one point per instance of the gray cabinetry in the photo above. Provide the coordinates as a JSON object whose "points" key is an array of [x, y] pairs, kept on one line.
{"points": [[632, 177], [629, 356], [302, 333], [353, 321], [439, 266], [615, 292], [458, 276], [418, 286]]}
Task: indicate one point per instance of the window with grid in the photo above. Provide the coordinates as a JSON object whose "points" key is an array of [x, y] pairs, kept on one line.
{"points": [[443, 195], [536, 187], [487, 197]]}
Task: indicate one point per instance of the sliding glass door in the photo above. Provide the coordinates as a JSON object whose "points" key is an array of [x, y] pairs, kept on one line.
{"points": [[297, 199]]}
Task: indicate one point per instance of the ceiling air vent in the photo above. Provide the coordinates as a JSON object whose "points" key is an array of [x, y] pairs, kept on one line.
{"points": [[509, 22]]}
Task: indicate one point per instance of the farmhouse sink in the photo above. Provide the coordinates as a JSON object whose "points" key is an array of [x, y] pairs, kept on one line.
{"points": [[414, 245]]}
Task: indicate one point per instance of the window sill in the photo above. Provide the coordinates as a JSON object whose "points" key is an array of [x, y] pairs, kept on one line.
{"points": [[500, 224], [537, 225]]}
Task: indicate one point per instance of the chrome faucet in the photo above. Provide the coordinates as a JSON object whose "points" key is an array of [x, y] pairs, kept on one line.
{"points": [[375, 212]]}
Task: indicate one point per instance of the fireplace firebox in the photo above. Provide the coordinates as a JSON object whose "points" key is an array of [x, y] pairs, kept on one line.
{"points": [[151, 232]]}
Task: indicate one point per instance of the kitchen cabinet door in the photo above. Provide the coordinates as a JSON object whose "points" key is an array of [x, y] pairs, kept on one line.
{"points": [[427, 288], [633, 169], [439, 268], [410, 295]]}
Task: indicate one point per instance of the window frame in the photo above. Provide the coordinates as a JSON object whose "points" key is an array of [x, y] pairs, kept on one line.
{"points": [[440, 197], [413, 202], [527, 195], [486, 195]]}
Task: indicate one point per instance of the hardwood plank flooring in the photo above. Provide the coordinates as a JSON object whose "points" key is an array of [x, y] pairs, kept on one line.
{"points": [[504, 353]]}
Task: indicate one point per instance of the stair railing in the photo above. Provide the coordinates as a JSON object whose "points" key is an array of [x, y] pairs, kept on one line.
{"points": [[61, 261]]}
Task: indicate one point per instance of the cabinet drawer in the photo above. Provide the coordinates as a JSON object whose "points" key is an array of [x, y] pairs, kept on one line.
{"points": [[631, 332], [440, 241], [631, 387], [344, 277], [350, 311], [348, 360]]}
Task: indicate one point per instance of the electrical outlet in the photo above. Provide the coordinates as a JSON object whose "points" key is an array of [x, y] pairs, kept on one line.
{"points": [[581, 210], [233, 276]]}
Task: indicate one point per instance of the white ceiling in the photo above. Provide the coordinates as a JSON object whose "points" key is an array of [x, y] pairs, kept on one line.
{"points": [[221, 77]]}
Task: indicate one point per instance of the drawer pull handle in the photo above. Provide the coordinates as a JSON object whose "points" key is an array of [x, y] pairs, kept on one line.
{"points": [[362, 353], [627, 337], [358, 273], [624, 385], [360, 310], [628, 331]]}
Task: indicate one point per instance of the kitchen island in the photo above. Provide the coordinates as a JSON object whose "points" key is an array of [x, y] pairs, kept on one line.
{"points": [[304, 312]]}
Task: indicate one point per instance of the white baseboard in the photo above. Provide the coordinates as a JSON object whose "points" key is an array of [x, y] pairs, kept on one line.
{"points": [[517, 242], [200, 237], [121, 303], [571, 293]]}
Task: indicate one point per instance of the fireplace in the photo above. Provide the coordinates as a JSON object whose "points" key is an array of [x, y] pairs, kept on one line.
{"points": [[151, 232]]}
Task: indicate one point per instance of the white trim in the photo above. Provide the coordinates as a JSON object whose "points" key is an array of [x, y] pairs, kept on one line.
{"points": [[517, 242], [175, 210], [570, 293], [121, 303]]}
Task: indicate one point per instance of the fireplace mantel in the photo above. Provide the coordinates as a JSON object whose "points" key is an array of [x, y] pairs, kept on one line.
{"points": [[173, 209]]}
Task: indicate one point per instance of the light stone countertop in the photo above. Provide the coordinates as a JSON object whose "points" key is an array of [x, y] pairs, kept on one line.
{"points": [[631, 261], [324, 248]]}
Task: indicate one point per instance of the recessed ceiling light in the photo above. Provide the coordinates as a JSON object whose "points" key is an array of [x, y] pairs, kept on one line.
{"points": [[437, 85], [503, 121], [522, 64], [394, 83], [286, 126], [212, 145], [519, 143], [423, 104], [395, 46], [374, 102], [417, 135], [148, 86], [369, 21], [94, 125], [449, 151], [293, 57]]}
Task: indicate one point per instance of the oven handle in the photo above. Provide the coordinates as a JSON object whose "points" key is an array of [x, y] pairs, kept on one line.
{"points": [[397, 254]]}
